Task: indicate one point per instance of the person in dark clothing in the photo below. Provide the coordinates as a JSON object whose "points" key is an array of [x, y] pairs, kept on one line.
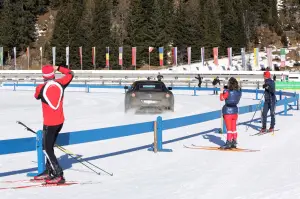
{"points": [[232, 95], [200, 80], [159, 77], [274, 78], [270, 102], [215, 82], [51, 94]]}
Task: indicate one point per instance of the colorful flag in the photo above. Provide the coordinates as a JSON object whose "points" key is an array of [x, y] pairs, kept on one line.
{"points": [[161, 56], [256, 57], [282, 57], [94, 56], [243, 52], [53, 55], [80, 56], [28, 57], [133, 58], [174, 55], [202, 55], [150, 49], [189, 51], [216, 55], [121, 56], [67, 56], [229, 52], [1, 57], [270, 59], [107, 57]]}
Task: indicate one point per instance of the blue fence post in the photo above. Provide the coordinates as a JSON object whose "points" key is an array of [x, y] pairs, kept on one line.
{"points": [[285, 105], [256, 94], [224, 126], [295, 96], [195, 91], [40, 154], [280, 95], [14, 86], [87, 88], [159, 133], [159, 128], [297, 101]]}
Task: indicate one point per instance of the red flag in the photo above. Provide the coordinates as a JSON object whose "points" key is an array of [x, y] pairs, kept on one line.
{"points": [[133, 56], [216, 55]]}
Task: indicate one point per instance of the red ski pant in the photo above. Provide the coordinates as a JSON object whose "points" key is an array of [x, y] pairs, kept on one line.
{"points": [[230, 121]]}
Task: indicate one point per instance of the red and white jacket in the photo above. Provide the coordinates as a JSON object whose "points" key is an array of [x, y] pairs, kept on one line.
{"points": [[51, 93]]}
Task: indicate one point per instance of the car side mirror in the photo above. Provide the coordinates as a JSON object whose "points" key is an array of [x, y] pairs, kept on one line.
{"points": [[126, 87], [170, 88]]}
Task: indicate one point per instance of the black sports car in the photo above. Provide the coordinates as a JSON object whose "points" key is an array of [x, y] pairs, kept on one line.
{"points": [[149, 94]]}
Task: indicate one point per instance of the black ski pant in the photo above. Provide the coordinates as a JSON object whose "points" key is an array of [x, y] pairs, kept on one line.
{"points": [[215, 90], [50, 134], [268, 105]]}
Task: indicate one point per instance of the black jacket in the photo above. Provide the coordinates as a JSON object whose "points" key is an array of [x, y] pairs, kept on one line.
{"points": [[269, 87], [216, 81]]}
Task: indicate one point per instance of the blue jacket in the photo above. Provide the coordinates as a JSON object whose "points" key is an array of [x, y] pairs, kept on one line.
{"points": [[269, 87], [231, 102]]}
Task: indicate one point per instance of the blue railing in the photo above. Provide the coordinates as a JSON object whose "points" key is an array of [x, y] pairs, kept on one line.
{"points": [[158, 126]]}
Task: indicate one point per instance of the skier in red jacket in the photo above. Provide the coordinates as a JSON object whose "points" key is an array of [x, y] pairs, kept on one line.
{"points": [[51, 93]]}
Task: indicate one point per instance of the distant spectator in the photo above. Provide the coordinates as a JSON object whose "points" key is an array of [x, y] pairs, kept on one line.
{"points": [[159, 77], [200, 80], [215, 82]]}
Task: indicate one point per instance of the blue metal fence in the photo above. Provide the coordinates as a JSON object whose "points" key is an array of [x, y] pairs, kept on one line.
{"points": [[33, 143]]}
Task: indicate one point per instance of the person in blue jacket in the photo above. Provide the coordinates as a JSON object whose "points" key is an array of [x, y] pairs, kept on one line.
{"points": [[270, 102], [232, 96]]}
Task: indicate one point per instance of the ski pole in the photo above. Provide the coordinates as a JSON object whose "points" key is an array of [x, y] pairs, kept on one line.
{"points": [[79, 159], [255, 112], [62, 148]]}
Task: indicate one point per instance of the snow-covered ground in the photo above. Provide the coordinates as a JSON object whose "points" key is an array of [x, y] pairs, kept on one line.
{"points": [[273, 172]]}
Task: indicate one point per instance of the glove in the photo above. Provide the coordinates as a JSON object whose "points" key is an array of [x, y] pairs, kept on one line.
{"points": [[266, 86]]}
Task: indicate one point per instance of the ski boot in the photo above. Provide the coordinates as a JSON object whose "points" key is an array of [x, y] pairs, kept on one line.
{"points": [[43, 176], [271, 130], [56, 180], [234, 143], [228, 145], [262, 131], [57, 176]]}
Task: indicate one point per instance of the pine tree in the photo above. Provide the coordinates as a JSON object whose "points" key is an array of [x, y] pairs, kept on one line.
{"points": [[135, 36], [101, 31]]}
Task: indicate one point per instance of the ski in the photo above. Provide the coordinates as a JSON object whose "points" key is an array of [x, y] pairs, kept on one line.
{"points": [[267, 132], [21, 181], [48, 185], [26, 181], [212, 148]]}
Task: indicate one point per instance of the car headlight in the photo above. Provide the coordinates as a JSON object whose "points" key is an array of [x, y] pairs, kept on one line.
{"points": [[133, 95], [168, 95]]}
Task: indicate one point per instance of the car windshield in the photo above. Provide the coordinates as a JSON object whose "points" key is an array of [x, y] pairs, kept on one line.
{"points": [[149, 87]]}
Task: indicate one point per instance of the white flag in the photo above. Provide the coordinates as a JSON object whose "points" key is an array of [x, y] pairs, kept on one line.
{"points": [[15, 56], [53, 55], [67, 56]]}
